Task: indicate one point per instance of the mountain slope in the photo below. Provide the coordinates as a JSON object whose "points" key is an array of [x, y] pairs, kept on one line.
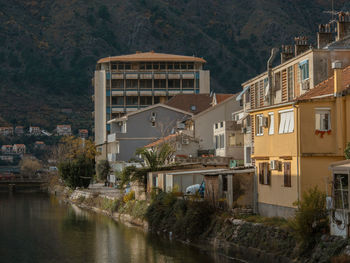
{"points": [[49, 49]]}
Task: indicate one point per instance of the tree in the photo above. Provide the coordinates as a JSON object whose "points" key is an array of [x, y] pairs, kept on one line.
{"points": [[29, 166], [156, 157], [103, 169], [76, 158]]}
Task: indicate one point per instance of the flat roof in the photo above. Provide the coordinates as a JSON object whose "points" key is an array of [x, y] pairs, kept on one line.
{"points": [[151, 56]]}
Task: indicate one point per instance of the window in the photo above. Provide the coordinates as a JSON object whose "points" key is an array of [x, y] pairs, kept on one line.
{"points": [[287, 175], [131, 100], [187, 83], [127, 66], [286, 118], [190, 66], [259, 125], [221, 124], [162, 66], [222, 141], [224, 182], [146, 100], [248, 153], [216, 142], [341, 184], [247, 95], [170, 66], [290, 83], [264, 174], [117, 84], [131, 83], [118, 100], [271, 123], [304, 70], [145, 84], [323, 120], [216, 125]]}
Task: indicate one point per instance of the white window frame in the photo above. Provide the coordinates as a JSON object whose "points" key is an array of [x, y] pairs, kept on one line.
{"points": [[286, 121], [259, 124], [322, 112], [271, 123]]}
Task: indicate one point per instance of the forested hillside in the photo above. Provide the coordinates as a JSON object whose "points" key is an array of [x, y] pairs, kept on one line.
{"points": [[48, 48]]}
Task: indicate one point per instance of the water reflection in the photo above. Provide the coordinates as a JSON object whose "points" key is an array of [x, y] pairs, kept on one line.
{"points": [[39, 228]]}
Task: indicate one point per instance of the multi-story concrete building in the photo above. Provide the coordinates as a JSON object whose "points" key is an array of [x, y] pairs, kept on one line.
{"points": [[127, 83], [64, 130], [302, 68], [6, 131], [291, 107], [35, 131]]}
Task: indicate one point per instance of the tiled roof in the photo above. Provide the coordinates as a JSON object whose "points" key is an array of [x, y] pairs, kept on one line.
{"points": [[19, 145], [221, 97], [160, 141], [194, 103], [83, 131], [326, 87], [151, 56]]}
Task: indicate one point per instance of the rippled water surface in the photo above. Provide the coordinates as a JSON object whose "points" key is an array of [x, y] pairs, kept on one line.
{"points": [[39, 228]]}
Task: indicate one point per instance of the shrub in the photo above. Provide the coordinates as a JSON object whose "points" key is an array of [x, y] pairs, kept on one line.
{"points": [[128, 197], [311, 218], [184, 218], [29, 166], [77, 172], [347, 151], [103, 169]]}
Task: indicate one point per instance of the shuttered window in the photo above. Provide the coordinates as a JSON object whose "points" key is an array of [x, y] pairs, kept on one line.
{"points": [[271, 123], [286, 119], [264, 174], [287, 174]]}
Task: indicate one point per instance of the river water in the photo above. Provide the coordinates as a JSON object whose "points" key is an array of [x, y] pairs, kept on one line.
{"points": [[40, 228]]}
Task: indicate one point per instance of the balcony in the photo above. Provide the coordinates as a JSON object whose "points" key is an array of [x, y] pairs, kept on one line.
{"points": [[112, 137], [112, 157]]}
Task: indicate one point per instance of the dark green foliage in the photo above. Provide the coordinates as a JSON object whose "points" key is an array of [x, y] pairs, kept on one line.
{"points": [[103, 169], [77, 172], [104, 13], [347, 151], [131, 173], [185, 219], [311, 219]]}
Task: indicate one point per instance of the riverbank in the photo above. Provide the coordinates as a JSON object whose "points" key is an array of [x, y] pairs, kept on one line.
{"points": [[268, 241]]}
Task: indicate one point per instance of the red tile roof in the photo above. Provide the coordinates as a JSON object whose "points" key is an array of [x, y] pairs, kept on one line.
{"points": [[151, 56], [186, 102], [326, 87], [160, 141]]}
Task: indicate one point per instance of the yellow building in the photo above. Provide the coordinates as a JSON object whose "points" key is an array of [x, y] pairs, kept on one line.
{"points": [[295, 142]]}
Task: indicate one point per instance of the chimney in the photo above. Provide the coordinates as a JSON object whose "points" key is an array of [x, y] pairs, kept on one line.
{"points": [[301, 45], [286, 53], [324, 35], [337, 66], [343, 25]]}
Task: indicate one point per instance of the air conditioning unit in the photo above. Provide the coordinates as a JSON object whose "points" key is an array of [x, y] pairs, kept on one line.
{"points": [[274, 165], [305, 85], [185, 140], [265, 122], [244, 130]]}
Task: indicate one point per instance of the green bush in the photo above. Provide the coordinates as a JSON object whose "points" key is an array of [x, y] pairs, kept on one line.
{"points": [[184, 218], [77, 172], [311, 219], [103, 169]]}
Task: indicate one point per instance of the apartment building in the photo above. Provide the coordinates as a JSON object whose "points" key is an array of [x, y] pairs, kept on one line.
{"points": [[297, 114], [302, 68], [127, 83], [34, 131], [19, 130], [83, 133]]}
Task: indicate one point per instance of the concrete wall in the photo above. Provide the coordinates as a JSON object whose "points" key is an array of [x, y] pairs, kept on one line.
{"points": [[100, 107], [204, 81]]}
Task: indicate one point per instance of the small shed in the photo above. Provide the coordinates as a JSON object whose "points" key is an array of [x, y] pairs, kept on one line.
{"points": [[178, 179], [234, 186]]}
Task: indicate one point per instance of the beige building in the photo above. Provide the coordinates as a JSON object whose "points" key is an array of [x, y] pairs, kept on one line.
{"points": [[128, 83], [302, 68]]}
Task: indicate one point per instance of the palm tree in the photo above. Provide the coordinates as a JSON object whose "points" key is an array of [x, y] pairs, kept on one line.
{"points": [[157, 156]]}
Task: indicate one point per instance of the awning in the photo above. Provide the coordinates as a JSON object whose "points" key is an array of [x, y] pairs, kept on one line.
{"points": [[239, 97]]}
